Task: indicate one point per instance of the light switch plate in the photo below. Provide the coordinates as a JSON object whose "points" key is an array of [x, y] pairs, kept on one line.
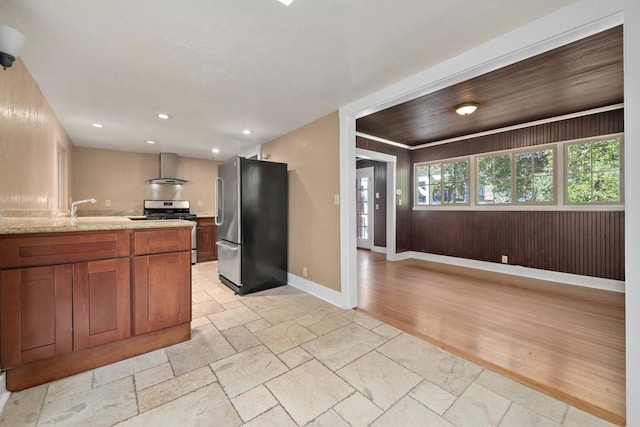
{"points": [[336, 199]]}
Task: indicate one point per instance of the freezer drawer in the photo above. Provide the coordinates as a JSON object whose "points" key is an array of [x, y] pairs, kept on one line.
{"points": [[229, 261]]}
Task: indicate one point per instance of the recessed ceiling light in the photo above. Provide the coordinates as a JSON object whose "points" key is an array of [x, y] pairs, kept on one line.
{"points": [[247, 131], [466, 109], [97, 125], [164, 116], [285, 2], [216, 150], [150, 141]]}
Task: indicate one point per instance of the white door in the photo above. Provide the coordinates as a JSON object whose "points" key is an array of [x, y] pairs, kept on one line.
{"points": [[364, 207]]}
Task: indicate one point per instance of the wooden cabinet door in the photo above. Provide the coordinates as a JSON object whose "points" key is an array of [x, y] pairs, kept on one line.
{"points": [[206, 237], [162, 291], [35, 314], [205, 243], [101, 302]]}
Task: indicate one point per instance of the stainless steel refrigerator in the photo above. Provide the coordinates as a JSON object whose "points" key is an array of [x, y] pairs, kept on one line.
{"points": [[252, 221]]}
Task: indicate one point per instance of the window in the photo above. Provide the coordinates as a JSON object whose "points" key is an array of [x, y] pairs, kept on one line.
{"points": [[524, 177], [593, 171], [442, 183], [534, 177], [494, 179]]}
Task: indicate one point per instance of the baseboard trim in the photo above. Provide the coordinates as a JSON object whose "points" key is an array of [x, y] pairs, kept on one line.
{"points": [[4, 393], [533, 273], [326, 294], [401, 256], [380, 249]]}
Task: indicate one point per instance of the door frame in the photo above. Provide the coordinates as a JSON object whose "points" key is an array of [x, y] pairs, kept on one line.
{"points": [[391, 162]]}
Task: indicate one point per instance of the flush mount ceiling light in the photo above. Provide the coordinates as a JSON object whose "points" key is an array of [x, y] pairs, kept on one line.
{"points": [[466, 109], [285, 2], [11, 41], [150, 141], [247, 131], [164, 116], [97, 125], [216, 150]]}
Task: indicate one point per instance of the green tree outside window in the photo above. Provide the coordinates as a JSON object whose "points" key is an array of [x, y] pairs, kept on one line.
{"points": [[593, 172]]}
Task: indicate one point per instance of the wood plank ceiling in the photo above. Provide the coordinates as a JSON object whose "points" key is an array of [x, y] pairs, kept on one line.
{"points": [[579, 76]]}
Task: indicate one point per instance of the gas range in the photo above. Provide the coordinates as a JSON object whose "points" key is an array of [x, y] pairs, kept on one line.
{"points": [[168, 209]]}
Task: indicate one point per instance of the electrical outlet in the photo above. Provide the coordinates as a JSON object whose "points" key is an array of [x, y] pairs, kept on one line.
{"points": [[505, 259], [304, 271], [107, 202], [199, 203], [336, 199], [377, 206], [399, 202]]}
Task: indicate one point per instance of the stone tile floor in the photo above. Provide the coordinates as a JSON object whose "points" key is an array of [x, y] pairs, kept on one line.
{"points": [[285, 358]]}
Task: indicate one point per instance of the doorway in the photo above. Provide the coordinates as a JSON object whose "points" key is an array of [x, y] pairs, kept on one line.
{"points": [[364, 207]]}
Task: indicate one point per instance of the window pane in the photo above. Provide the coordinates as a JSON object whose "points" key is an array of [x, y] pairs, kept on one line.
{"points": [[422, 173], [455, 182], [534, 176], [593, 172], [494, 179]]}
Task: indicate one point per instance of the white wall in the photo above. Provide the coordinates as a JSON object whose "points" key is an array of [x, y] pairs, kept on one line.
{"points": [[632, 217]]}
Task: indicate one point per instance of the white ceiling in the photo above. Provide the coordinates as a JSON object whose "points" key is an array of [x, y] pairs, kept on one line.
{"points": [[220, 66]]}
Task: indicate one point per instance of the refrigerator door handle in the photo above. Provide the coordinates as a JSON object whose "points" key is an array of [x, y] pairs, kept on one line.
{"points": [[228, 246], [220, 202]]}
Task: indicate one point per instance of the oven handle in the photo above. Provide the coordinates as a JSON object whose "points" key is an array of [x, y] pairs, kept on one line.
{"points": [[220, 202]]}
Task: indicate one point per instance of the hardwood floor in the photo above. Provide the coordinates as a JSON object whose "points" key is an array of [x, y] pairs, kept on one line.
{"points": [[566, 341]]}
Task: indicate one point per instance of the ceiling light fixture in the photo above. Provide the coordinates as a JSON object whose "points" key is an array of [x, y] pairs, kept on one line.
{"points": [[466, 108], [150, 141], [11, 41], [97, 125], [247, 131], [164, 116], [285, 2], [216, 150]]}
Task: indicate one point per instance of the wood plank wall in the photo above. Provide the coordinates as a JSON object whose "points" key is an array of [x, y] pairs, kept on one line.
{"points": [[403, 182], [380, 187], [585, 243], [589, 243]]}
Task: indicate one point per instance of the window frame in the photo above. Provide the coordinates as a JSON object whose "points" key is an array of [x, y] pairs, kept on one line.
{"points": [[441, 162]]}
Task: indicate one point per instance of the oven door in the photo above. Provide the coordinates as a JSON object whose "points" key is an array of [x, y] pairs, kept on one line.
{"points": [[230, 261]]}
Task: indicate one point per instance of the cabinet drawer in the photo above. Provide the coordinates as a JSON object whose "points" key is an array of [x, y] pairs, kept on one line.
{"points": [[205, 222], [162, 241], [40, 249]]}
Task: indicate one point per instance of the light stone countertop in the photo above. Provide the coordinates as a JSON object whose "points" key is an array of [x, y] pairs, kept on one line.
{"points": [[63, 224]]}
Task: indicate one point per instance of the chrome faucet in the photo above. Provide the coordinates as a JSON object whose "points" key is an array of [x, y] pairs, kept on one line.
{"points": [[74, 209]]}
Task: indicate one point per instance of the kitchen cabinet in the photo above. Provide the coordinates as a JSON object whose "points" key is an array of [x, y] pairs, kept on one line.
{"points": [[62, 306], [48, 311], [74, 301], [206, 237], [162, 279]]}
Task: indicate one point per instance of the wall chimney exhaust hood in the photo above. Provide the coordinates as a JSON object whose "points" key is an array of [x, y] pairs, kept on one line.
{"points": [[168, 171]]}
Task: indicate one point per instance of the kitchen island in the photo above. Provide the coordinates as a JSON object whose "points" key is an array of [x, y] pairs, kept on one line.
{"points": [[76, 297]]}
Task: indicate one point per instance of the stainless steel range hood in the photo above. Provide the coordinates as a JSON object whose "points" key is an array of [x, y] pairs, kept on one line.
{"points": [[168, 171]]}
